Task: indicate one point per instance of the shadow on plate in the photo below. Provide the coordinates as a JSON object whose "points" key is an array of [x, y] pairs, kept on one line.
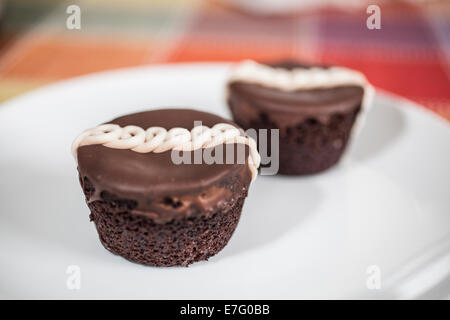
{"points": [[267, 217], [275, 207]]}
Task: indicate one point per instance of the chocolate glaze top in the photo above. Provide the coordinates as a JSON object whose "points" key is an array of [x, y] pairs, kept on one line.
{"points": [[287, 108], [160, 188]]}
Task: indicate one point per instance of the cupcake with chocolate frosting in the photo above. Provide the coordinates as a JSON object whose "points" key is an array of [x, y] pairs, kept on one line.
{"points": [[164, 189], [315, 109]]}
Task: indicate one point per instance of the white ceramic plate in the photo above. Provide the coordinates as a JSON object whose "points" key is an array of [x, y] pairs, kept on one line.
{"points": [[314, 237]]}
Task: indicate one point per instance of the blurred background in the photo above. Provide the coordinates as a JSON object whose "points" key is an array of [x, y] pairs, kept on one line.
{"points": [[409, 55]]}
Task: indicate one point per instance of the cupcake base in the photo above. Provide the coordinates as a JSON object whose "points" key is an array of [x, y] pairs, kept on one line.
{"points": [[179, 242], [310, 146]]}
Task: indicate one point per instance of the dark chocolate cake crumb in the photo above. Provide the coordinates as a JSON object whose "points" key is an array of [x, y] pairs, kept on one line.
{"points": [[309, 146], [179, 242]]}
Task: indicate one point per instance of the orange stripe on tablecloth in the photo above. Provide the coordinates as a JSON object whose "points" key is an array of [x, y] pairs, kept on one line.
{"points": [[53, 57], [210, 49]]}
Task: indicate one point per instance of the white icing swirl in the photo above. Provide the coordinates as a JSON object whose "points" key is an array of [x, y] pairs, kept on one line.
{"points": [[295, 79], [158, 139]]}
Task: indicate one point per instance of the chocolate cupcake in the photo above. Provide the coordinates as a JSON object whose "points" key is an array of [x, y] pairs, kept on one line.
{"points": [[314, 107], [154, 196]]}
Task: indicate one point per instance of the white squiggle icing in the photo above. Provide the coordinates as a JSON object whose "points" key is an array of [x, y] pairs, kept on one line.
{"points": [[295, 79], [158, 139]]}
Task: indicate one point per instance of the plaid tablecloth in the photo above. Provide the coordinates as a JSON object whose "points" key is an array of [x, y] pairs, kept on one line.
{"points": [[409, 55]]}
